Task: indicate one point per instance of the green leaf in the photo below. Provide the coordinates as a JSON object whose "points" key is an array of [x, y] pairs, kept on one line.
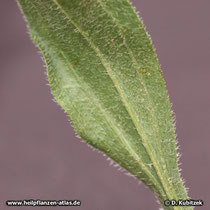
{"points": [[103, 71]]}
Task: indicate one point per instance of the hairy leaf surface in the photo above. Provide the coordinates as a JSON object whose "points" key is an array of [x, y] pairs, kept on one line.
{"points": [[103, 71]]}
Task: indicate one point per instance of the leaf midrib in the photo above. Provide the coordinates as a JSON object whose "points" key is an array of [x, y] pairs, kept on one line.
{"points": [[105, 64]]}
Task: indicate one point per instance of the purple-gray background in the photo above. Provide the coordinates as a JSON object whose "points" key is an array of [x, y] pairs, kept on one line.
{"points": [[40, 157]]}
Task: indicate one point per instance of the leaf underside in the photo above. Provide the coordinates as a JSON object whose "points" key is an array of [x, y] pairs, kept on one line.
{"points": [[103, 71]]}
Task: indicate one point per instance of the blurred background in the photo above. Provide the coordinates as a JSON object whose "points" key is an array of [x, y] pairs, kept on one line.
{"points": [[40, 157]]}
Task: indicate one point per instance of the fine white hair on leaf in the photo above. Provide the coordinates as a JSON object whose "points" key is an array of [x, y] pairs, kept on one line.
{"points": [[142, 139]]}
